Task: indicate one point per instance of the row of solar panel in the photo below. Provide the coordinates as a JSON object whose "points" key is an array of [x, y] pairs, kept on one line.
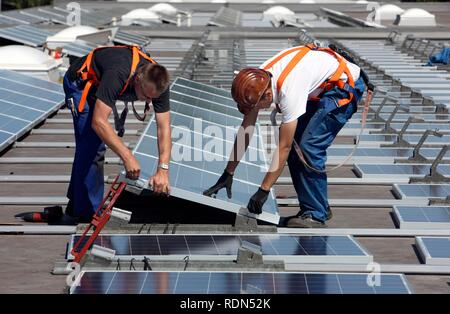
{"points": [[409, 217], [235, 283], [24, 102], [324, 249], [55, 15], [386, 57], [33, 36]]}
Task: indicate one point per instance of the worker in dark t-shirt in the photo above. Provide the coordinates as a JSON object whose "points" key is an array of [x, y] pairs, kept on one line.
{"points": [[92, 86]]}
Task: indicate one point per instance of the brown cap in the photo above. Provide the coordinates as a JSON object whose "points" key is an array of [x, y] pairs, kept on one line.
{"points": [[248, 87]]}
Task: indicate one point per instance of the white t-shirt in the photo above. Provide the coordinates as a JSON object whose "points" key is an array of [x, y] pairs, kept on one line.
{"points": [[303, 81]]}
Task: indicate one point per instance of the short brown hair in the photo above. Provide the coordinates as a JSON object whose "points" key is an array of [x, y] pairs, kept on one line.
{"points": [[156, 74]]}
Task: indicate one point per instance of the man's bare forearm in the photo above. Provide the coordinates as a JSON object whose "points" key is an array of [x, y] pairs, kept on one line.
{"points": [[286, 137], [107, 134], [242, 141], [164, 144], [276, 168], [164, 140]]}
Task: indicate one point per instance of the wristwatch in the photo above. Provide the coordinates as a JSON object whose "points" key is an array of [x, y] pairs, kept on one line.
{"points": [[163, 166]]}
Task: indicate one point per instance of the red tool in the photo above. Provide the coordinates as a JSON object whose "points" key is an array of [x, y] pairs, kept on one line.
{"points": [[101, 217]]}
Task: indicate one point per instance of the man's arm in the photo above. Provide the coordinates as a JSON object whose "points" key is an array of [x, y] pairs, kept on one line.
{"points": [[240, 146], [160, 181], [242, 140], [286, 137], [105, 131]]}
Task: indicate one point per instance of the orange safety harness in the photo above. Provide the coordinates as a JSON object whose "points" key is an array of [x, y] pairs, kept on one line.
{"points": [[330, 83], [87, 73]]}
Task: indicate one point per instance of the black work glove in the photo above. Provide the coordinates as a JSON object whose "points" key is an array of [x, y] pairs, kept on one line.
{"points": [[225, 181], [257, 201]]}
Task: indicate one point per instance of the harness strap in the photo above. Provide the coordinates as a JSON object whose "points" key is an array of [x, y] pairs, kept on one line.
{"points": [[87, 73], [281, 56], [333, 81], [291, 65]]}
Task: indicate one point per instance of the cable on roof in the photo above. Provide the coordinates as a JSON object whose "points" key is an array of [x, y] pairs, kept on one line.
{"points": [[141, 228], [118, 267], [132, 264], [147, 263], [186, 260], [166, 228]]}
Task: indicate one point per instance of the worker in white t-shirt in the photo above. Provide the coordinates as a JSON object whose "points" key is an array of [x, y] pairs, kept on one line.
{"points": [[316, 91]]}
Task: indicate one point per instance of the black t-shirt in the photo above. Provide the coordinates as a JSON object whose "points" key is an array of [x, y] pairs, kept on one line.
{"points": [[112, 67]]}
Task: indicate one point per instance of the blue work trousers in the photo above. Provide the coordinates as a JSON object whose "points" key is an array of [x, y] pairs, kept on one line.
{"points": [[316, 130]]}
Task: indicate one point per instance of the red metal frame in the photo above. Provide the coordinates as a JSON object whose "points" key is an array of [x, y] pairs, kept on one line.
{"points": [[101, 217]]}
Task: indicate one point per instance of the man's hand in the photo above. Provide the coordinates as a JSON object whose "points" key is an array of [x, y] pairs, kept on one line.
{"points": [[225, 181], [160, 182], [256, 202], [132, 167]]}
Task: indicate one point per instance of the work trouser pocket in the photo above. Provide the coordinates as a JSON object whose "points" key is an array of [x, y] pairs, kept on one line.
{"points": [[338, 117]]}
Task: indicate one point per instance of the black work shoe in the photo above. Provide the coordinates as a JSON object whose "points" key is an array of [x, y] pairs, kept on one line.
{"points": [[305, 221], [329, 214]]}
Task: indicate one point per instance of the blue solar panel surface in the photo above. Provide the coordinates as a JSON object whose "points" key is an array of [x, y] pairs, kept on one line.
{"points": [[24, 102], [207, 115], [236, 283]]}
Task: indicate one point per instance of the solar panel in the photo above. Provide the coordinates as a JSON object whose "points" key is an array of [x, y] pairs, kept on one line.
{"points": [[139, 282], [78, 48], [92, 18], [165, 45], [300, 249], [34, 36], [421, 190], [125, 38], [43, 15], [24, 102], [85, 19], [98, 17], [367, 171], [201, 18], [196, 122], [422, 217], [434, 250], [7, 20], [25, 34], [22, 17], [255, 20], [226, 17]]}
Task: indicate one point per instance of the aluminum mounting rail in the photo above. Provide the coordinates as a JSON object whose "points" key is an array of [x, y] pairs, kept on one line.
{"points": [[291, 201]]}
